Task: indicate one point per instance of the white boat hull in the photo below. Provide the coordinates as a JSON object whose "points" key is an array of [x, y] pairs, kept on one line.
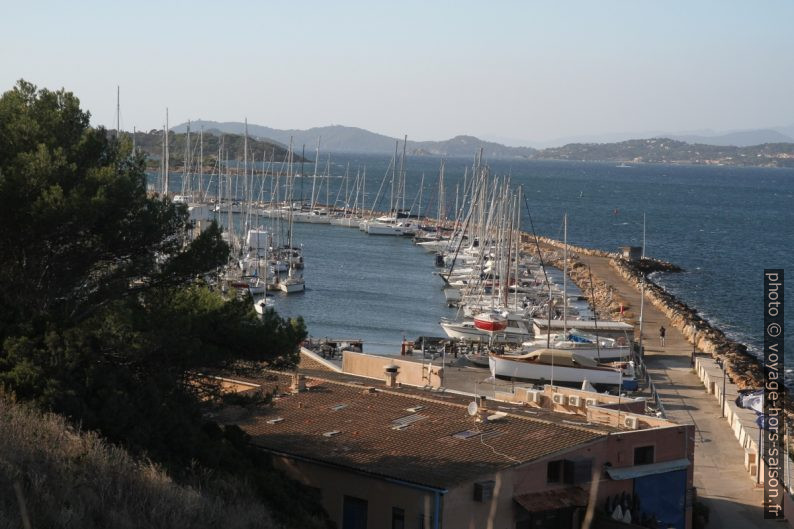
{"points": [[380, 228], [470, 332], [291, 287], [515, 368]]}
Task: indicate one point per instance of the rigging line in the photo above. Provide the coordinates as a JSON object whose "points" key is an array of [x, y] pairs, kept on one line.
{"points": [[595, 313]]}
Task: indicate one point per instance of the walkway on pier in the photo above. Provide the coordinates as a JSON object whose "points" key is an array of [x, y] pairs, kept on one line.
{"points": [[722, 482]]}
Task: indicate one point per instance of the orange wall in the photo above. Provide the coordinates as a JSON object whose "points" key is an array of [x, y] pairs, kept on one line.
{"points": [[410, 373]]}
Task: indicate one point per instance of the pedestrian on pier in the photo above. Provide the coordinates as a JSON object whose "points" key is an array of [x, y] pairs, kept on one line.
{"points": [[662, 332]]}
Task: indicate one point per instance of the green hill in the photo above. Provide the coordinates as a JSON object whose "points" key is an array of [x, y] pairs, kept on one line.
{"points": [[231, 147]]}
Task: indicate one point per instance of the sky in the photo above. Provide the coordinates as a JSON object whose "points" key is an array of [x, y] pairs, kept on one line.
{"points": [[522, 72]]}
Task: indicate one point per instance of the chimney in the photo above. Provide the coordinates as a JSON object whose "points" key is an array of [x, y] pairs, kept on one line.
{"points": [[482, 409], [391, 375], [298, 383]]}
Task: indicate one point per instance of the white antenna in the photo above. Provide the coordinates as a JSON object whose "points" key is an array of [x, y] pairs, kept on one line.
{"points": [[472, 409]]}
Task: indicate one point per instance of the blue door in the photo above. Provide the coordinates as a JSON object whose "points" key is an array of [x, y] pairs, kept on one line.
{"points": [[663, 496]]}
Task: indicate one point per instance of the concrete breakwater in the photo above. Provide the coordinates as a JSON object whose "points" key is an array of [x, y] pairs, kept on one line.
{"points": [[743, 368]]}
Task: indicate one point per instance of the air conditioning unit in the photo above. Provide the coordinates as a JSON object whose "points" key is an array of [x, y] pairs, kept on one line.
{"points": [[533, 395], [574, 400], [630, 422], [558, 398], [591, 402]]}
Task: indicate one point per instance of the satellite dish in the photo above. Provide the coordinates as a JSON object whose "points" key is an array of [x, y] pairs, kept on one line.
{"points": [[472, 409]]}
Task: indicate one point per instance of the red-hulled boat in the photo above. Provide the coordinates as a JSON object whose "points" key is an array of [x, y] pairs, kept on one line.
{"points": [[490, 321]]}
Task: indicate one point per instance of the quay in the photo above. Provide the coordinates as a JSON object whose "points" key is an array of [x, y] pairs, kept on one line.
{"points": [[723, 482]]}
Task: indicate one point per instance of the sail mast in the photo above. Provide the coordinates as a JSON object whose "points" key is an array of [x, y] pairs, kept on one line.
{"points": [[165, 174], [565, 277], [402, 171], [201, 162]]}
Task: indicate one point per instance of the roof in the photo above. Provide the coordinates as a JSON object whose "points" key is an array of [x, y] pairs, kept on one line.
{"points": [[549, 500], [638, 471], [309, 360], [409, 435]]}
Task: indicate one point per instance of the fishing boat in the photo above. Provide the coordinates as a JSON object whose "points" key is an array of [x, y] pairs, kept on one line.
{"points": [[490, 321], [516, 331], [561, 367]]}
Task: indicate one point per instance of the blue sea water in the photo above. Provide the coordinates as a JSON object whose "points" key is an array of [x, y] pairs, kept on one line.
{"points": [[723, 225]]}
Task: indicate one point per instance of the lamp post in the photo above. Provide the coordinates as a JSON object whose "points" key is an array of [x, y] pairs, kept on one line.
{"points": [[694, 343], [724, 382]]}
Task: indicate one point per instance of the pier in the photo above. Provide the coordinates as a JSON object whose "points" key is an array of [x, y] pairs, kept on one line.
{"points": [[723, 483]]}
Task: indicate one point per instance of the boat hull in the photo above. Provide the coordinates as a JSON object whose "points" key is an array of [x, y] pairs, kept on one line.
{"points": [[471, 333], [490, 322], [289, 287], [515, 368]]}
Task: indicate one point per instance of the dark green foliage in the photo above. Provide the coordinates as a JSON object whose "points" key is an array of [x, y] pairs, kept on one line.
{"points": [[232, 146], [104, 313]]}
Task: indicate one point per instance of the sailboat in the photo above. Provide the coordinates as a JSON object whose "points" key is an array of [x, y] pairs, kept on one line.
{"points": [[294, 281]]}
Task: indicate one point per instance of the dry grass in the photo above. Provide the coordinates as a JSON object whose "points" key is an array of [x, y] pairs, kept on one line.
{"points": [[75, 479]]}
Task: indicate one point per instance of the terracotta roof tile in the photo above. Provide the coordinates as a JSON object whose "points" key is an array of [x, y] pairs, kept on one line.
{"points": [[423, 451]]}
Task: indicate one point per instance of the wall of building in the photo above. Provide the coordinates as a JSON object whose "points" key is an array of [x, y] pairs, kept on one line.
{"points": [[409, 373], [381, 495], [461, 511]]}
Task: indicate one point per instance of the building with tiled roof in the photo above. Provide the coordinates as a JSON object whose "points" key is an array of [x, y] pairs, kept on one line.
{"points": [[388, 457]]}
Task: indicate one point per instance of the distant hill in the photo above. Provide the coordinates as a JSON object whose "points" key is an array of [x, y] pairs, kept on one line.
{"points": [[666, 150], [777, 152], [467, 146], [338, 138], [743, 138], [333, 138], [152, 144]]}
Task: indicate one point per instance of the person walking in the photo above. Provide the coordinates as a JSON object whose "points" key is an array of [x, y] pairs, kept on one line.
{"points": [[662, 332]]}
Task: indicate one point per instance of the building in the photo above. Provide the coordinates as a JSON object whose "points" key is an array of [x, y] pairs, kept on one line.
{"points": [[400, 457]]}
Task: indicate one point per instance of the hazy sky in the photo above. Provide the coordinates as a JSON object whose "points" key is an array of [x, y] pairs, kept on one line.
{"points": [[523, 70]]}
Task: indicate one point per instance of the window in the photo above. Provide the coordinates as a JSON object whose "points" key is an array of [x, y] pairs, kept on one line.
{"points": [[554, 471], [643, 455], [425, 522], [397, 518], [354, 513]]}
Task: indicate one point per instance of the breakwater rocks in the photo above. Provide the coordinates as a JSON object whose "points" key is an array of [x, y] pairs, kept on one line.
{"points": [[742, 367]]}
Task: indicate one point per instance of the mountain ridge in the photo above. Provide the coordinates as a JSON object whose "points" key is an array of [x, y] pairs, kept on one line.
{"points": [[342, 139]]}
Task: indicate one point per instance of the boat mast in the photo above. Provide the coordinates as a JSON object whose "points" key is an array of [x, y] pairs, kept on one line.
{"points": [[314, 178], [118, 112], [165, 174], [303, 175], [393, 169], [186, 187], [642, 284], [290, 183], [201, 163], [564, 277], [402, 171]]}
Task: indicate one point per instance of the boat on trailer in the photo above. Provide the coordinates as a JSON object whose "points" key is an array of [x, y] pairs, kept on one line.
{"points": [[562, 368]]}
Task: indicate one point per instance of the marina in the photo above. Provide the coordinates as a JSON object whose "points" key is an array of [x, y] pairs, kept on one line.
{"points": [[468, 301]]}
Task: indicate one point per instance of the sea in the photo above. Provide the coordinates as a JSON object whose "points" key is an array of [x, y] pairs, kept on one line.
{"points": [[723, 225]]}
